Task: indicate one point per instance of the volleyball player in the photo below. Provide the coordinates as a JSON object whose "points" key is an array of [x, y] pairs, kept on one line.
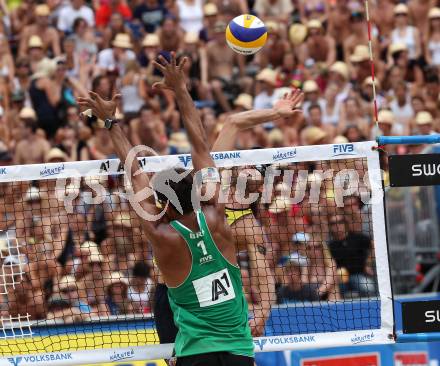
{"points": [[194, 249]]}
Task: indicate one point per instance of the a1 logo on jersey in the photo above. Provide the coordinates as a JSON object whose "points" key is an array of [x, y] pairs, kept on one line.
{"points": [[214, 288]]}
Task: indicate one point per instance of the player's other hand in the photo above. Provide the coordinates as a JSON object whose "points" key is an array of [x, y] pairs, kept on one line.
{"points": [[257, 327], [101, 108], [290, 104], [173, 75]]}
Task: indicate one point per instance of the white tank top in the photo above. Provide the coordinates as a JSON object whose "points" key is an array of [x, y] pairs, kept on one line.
{"points": [[191, 16], [434, 49], [408, 39]]}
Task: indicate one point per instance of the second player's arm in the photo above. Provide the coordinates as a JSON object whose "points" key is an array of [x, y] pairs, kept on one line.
{"points": [[285, 107]]}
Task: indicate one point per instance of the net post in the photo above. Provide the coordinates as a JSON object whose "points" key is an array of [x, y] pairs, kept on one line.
{"points": [[408, 140]]}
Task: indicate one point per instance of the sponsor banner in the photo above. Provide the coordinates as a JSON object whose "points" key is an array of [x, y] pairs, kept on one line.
{"points": [[411, 359], [157, 163], [371, 359], [421, 316], [344, 150], [414, 170], [322, 340]]}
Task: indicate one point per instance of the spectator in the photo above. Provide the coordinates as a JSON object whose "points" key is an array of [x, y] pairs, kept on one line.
{"points": [[424, 122], [106, 9], [405, 33], [191, 15], [68, 15], [41, 28], [114, 59], [151, 13], [294, 285], [351, 251], [210, 17], [117, 295], [140, 291], [68, 287], [432, 44], [30, 142]]}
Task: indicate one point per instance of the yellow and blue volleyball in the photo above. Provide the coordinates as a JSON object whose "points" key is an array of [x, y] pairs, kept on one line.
{"points": [[246, 34]]}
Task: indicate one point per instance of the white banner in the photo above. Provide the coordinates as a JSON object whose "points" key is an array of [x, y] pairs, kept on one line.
{"points": [[155, 352], [156, 163]]}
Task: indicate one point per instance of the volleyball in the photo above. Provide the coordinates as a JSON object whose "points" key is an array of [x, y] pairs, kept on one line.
{"points": [[246, 34]]}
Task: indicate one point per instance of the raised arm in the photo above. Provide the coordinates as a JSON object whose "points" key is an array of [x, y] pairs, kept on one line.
{"points": [[287, 107], [174, 79], [104, 110]]}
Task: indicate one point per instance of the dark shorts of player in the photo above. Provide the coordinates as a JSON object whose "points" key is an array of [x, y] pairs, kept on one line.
{"points": [[166, 329], [215, 359]]}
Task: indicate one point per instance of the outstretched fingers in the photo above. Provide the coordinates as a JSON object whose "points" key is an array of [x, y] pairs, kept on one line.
{"points": [[182, 63], [159, 66]]}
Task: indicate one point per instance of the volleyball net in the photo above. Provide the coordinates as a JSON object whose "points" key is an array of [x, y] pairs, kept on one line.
{"points": [[77, 276]]}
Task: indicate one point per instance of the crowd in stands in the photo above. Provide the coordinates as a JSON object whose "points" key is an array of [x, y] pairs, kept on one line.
{"points": [[93, 261]]}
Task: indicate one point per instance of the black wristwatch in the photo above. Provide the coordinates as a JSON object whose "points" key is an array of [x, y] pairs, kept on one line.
{"points": [[109, 122]]}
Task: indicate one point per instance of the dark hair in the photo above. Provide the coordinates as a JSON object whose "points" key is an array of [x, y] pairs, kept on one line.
{"points": [[141, 269], [314, 106], [182, 189], [77, 22], [96, 81], [30, 123]]}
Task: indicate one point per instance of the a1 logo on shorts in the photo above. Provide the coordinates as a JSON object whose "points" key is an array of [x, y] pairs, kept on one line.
{"points": [[214, 288]]}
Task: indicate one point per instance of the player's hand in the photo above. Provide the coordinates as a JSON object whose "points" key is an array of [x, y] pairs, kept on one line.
{"points": [[173, 75], [290, 104], [101, 108], [257, 327]]}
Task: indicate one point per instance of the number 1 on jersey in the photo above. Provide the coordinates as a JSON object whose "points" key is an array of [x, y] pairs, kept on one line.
{"points": [[202, 246]]}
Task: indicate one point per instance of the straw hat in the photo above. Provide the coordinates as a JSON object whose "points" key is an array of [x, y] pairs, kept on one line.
{"points": [[275, 136], [244, 100], [89, 247], [42, 10], [280, 204], [96, 258], [297, 33], [122, 219], [361, 53], [397, 47], [400, 9], [340, 140], [115, 278], [272, 26], [312, 135], [314, 24], [424, 118], [369, 81], [210, 9], [122, 40], [67, 283], [434, 13], [28, 113], [55, 153], [35, 42], [179, 140], [191, 38], [310, 86], [340, 68], [267, 75], [151, 40], [386, 116], [33, 194]]}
